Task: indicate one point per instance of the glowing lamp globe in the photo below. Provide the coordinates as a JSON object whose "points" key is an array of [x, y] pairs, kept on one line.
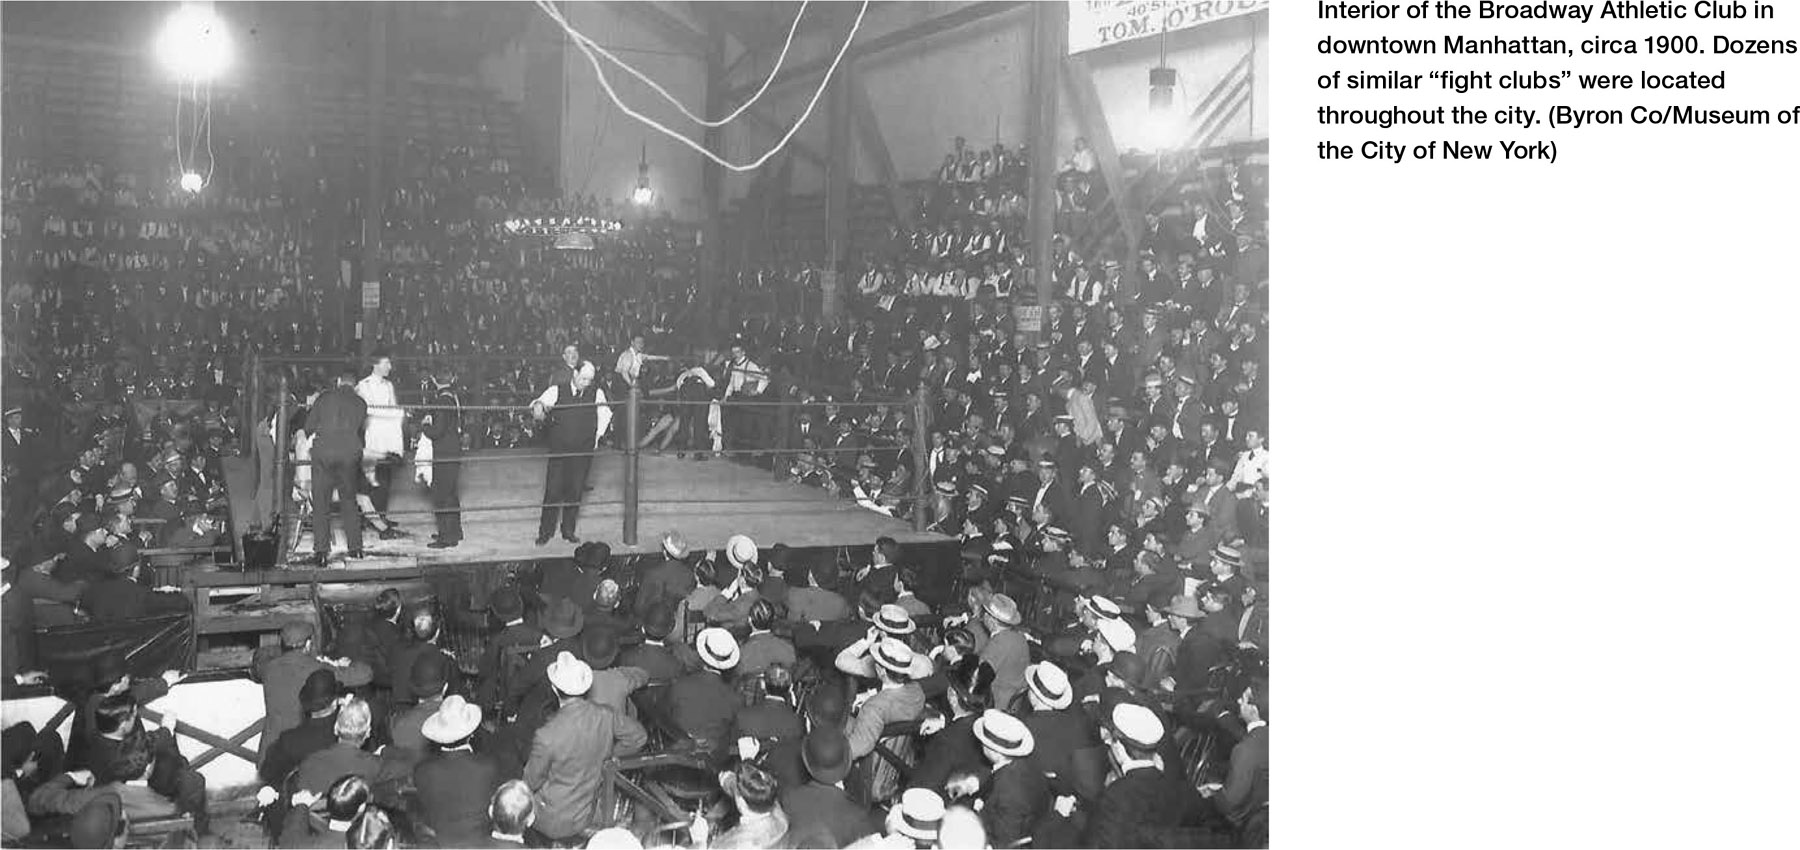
{"points": [[191, 182], [193, 43], [641, 196]]}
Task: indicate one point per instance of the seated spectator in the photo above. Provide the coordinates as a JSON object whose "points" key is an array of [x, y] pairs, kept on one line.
{"points": [[820, 812], [317, 730], [325, 821], [510, 814], [701, 704], [760, 823], [142, 775], [346, 755], [769, 715]]}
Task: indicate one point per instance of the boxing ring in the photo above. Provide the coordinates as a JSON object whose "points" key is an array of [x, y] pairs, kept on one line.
{"points": [[633, 494]]}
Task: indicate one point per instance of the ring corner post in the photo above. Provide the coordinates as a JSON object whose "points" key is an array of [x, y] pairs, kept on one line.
{"points": [[278, 496], [921, 458], [630, 531]]}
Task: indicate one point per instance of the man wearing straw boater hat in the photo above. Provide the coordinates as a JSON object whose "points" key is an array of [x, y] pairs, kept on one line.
{"points": [[671, 579], [897, 699], [569, 752], [702, 704], [455, 783], [1006, 649], [1146, 802], [1017, 792], [913, 824]]}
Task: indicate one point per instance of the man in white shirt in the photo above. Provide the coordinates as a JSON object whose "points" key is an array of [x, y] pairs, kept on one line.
{"points": [[632, 359], [384, 437], [744, 380], [578, 416]]}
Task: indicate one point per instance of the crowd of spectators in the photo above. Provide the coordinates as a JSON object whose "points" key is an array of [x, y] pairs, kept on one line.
{"points": [[1117, 462], [815, 704]]}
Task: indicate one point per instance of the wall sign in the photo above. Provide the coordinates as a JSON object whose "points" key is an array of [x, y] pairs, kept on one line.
{"points": [[1098, 23]]}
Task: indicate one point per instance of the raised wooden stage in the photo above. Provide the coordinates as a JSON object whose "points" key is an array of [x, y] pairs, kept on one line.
{"points": [[706, 500]]}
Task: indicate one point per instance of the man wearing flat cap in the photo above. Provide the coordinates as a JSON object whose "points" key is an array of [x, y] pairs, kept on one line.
{"points": [[282, 676]]}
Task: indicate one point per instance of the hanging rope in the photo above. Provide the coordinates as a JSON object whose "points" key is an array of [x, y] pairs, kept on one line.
{"points": [[793, 29], [582, 42]]}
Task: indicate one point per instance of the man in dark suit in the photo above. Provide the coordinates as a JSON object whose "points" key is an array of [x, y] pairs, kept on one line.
{"points": [[701, 704], [671, 579], [1243, 797], [1089, 519], [119, 596], [318, 698], [345, 755], [1147, 803], [578, 416], [424, 632], [282, 677], [444, 427], [1018, 794], [820, 813], [1052, 492], [336, 421], [771, 717], [654, 655], [1060, 732], [455, 783], [507, 652]]}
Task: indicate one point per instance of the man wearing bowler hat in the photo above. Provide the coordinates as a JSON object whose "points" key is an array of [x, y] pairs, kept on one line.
{"points": [[318, 699], [820, 812], [562, 622]]}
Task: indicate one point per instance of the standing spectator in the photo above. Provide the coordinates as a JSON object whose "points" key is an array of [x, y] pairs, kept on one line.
{"points": [[569, 752]]}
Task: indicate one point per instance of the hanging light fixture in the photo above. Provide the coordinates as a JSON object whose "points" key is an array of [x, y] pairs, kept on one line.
{"points": [[1163, 122], [642, 196]]}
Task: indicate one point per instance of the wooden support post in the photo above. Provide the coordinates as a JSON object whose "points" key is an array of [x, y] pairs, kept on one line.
{"points": [[1091, 116], [247, 404], [630, 531], [1048, 31], [253, 385], [840, 171], [712, 179], [921, 448], [373, 192], [868, 129]]}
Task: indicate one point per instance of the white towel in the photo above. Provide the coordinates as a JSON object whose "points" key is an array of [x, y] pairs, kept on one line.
{"points": [[422, 461]]}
